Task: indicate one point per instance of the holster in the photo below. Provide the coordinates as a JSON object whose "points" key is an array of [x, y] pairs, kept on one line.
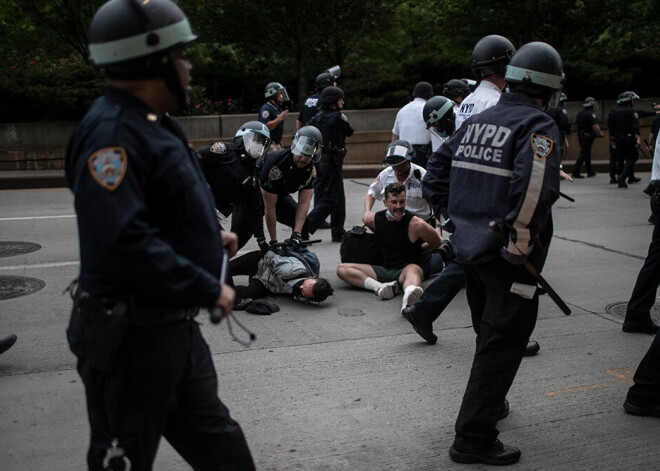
{"points": [[337, 155], [105, 327]]}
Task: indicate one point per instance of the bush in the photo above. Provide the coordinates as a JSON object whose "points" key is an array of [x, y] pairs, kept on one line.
{"points": [[39, 88]]}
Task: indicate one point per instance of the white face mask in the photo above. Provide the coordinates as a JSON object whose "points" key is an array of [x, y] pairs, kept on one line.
{"points": [[255, 145]]}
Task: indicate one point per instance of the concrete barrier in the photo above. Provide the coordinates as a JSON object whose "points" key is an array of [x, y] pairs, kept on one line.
{"points": [[42, 145]]}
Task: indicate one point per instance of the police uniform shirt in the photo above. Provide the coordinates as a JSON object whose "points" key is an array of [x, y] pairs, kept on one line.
{"points": [[233, 179], [409, 124], [623, 122], [585, 120], [415, 202], [655, 169], [146, 219], [334, 126], [269, 112], [280, 175], [502, 166], [309, 109], [487, 94]]}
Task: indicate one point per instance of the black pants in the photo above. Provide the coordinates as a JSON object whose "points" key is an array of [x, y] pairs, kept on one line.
{"points": [[626, 156], [503, 322], [646, 390], [244, 224], [164, 384], [329, 200], [285, 209], [586, 142], [248, 264], [648, 279], [440, 293]]}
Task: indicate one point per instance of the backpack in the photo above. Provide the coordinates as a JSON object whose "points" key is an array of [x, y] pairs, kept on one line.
{"points": [[360, 246]]}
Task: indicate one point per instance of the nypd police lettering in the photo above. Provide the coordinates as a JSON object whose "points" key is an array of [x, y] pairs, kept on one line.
{"points": [[483, 141]]}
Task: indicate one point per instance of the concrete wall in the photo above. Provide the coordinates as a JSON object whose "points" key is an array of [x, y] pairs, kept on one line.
{"points": [[41, 146]]}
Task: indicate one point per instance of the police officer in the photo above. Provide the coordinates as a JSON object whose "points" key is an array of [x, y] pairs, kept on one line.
{"points": [[329, 197], [490, 56], [409, 124], [588, 129], [481, 178], [439, 117], [150, 252], [560, 116], [284, 172], [311, 105], [623, 122], [273, 114], [230, 170], [456, 90]]}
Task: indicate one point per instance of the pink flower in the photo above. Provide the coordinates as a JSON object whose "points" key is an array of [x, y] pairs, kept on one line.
{"points": [[27, 55], [197, 106], [32, 62]]}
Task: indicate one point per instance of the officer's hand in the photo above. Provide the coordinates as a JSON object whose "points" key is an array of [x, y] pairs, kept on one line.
{"points": [[296, 240], [273, 245], [230, 241], [565, 176], [264, 247], [284, 114], [513, 259], [226, 299]]}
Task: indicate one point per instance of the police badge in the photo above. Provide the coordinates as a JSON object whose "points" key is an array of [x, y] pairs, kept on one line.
{"points": [[541, 145], [219, 148], [274, 174], [108, 166]]}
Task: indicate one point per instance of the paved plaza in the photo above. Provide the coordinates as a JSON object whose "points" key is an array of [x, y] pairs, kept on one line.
{"points": [[348, 385]]}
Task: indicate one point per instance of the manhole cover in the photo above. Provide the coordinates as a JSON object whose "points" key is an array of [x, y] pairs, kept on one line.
{"points": [[619, 310], [350, 312], [16, 286], [11, 248]]}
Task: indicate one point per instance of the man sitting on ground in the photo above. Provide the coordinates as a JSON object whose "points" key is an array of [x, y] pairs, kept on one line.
{"points": [[405, 240]]}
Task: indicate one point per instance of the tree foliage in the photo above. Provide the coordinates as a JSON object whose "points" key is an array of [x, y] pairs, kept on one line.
{"points": [[383, 47]]}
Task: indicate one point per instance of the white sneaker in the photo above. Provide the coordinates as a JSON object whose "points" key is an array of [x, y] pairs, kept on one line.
{"points": [[388, 290], [412, 294]]}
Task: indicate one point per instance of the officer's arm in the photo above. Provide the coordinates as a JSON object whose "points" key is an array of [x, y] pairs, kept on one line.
{"points": [[304, 200], [533, 190], [420, 229], [435, 183], [368, 204], [369, 220], [270, 200], [597, 130]]}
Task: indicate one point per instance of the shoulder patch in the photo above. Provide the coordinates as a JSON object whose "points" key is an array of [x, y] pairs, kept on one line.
{"points": [[265, 114], [541, 145], [344, 117], [636, 115], [593, 115], [108, 166], [274, 174], [219, 148]]}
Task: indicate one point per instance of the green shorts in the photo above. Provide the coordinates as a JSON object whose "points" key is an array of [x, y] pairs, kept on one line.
{"points": [[385, 275]]}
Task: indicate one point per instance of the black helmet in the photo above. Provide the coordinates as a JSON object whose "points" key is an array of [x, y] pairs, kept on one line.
{"points": [[455, 89], [254, 136], [398, 152], [438, 115], [331, 95], [589, 102], [627, 97], [308, 142], [277, 92], [537, 67], [423, 90], [323, 80], [125, 37], [490, 56]]}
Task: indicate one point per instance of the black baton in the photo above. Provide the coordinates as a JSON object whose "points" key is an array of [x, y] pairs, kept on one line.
{"points": [[532, 271]]}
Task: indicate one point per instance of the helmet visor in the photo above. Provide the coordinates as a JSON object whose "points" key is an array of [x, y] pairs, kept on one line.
{"points": [[255, 144], [396, 155], [282, 95], [307, 147]]}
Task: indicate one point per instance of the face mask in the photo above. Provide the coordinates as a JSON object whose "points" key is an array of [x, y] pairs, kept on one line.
{"points": [[390, 214]]}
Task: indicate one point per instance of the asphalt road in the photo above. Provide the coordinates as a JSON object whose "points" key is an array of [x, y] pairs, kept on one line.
{"points": [[348, 385]]}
